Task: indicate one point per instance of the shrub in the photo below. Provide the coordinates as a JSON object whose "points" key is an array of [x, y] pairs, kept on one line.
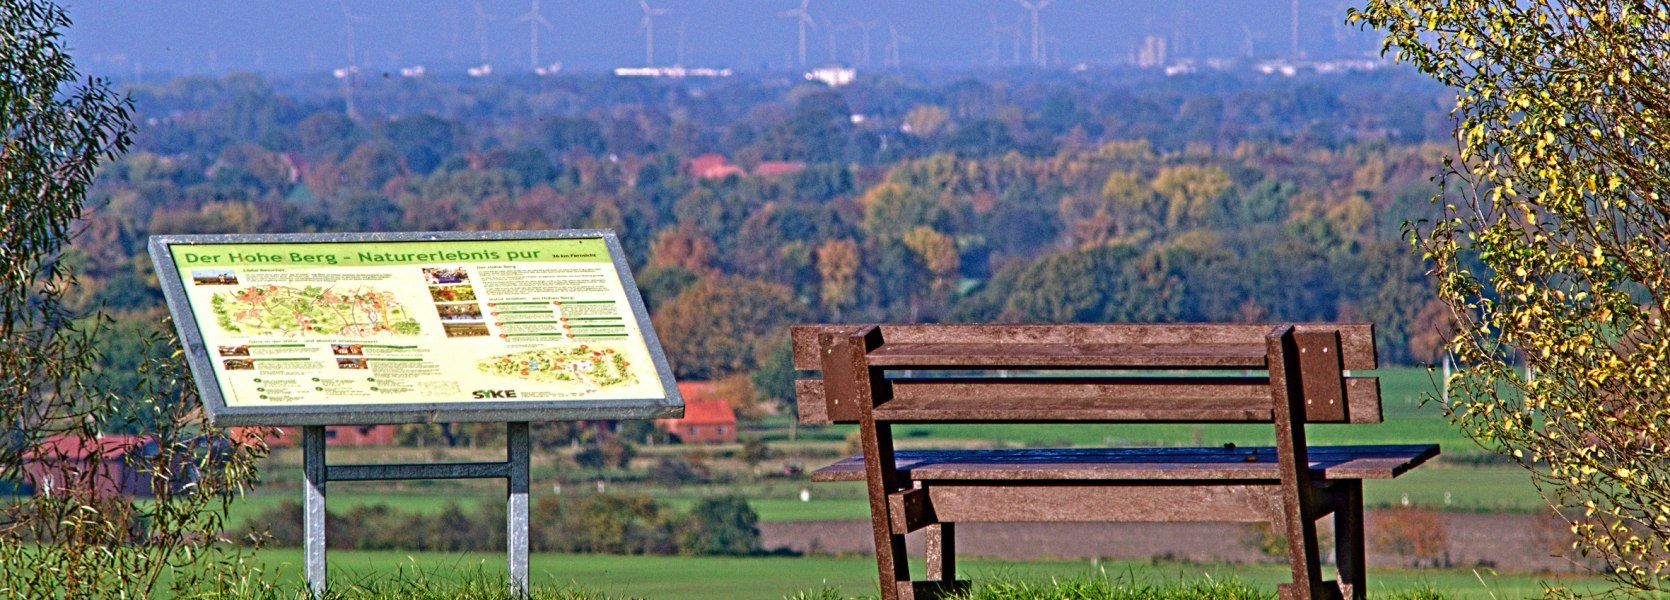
{"points": [[1419, 534], [1552, 251], [724, 526]]}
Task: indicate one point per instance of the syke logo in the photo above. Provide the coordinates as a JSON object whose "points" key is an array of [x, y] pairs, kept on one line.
{"points": [[483, 394]]}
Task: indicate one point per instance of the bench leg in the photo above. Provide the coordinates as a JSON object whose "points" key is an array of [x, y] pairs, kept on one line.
{"points": [[942, 551], [1349, 549], [1303, 557], [893, 564]]}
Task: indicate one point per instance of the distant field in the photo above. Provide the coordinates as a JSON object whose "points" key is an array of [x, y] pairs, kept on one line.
{"points": [[711, 578], [1488, 488], [1493, 488], [772, 503]]}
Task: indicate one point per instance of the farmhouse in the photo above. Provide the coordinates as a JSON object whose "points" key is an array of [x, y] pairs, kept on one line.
{"points": [[108, 465], [708, 418], [335, 435]]}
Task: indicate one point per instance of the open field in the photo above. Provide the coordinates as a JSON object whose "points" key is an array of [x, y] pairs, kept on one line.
{"points": [[1441, 486], [709, 578], [1444, 485]]}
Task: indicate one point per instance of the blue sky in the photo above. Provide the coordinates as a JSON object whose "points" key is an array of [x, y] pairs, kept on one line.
{"points": [[122, 37]]}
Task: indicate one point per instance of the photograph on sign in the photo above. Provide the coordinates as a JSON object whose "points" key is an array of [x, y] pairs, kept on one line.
{"points": [[291, 322]]}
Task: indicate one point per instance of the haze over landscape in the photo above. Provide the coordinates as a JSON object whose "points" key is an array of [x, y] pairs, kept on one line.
{"points": [[178, 37]]}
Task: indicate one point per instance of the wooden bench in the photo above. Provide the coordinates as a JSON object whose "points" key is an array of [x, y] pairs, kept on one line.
{"points": [[1285, 375]]}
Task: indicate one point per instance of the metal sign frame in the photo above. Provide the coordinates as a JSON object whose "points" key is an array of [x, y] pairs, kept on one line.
{"points": [[163, 247], [514, 470]]}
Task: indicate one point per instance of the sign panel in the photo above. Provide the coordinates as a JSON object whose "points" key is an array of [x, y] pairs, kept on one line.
{"points": [[311, 329]]}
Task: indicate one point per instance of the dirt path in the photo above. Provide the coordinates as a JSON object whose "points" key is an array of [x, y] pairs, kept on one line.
{"points": [[1508, 542]]}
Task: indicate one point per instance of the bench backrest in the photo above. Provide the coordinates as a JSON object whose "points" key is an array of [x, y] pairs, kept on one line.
{"points": [[1098, 373]]}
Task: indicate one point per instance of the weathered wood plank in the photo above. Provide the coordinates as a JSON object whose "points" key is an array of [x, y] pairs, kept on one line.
{"points": [[1356, 339], [1098, 400], [1033, 355], [1321, 379], [910, 510], [1042, 502], [1127, 464]]}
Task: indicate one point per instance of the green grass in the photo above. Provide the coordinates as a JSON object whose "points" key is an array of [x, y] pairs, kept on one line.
{"points": [[715, 578]]}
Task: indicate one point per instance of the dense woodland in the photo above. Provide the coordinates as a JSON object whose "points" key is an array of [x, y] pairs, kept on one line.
{"points": [[999, 196]]}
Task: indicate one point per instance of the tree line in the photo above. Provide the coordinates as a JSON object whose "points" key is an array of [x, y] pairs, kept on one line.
{"points": [[924, 199]]}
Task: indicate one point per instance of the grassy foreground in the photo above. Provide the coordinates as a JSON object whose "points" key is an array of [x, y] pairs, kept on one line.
{"points": [[408, 575]]}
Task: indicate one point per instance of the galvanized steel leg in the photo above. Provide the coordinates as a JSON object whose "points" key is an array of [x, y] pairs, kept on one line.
{"points": [[313, 505], [516, 507]]}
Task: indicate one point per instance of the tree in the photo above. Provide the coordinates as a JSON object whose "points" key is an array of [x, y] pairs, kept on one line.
{"points": [[77, 542], [1553, 250], [838, 274], [424, 141], [1194, 195], [1109, 284], [714, 327], [892, 209]]}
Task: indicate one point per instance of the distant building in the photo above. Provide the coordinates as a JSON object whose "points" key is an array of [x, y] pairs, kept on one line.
{"points": [[110, 464], [716, 166], [773, 168], [672, 72], [335, 435], [708, 418], [832, 76], [713, 166]]}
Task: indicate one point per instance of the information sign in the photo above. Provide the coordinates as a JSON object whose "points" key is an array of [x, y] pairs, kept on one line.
{"points": [[338, 329]]}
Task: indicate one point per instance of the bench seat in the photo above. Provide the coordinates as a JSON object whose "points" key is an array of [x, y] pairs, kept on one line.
{"points": [[1123, 464]]}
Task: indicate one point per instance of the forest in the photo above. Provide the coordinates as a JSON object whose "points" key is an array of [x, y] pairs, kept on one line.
{"points": [[749, 203]]}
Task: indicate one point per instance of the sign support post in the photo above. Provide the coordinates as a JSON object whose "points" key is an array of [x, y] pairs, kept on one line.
{"points": [[514, 470], [516, 507], [313, 506]]}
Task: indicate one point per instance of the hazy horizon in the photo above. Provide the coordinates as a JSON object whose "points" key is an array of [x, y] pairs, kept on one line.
{"points": [[178, 37]]}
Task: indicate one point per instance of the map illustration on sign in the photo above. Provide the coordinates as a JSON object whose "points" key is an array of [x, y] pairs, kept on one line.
{"points": [[414, 327], [288, 311], [587, 366]]}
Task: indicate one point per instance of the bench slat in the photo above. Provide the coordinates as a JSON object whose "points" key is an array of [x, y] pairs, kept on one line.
{"points": [[1112, 356], [1357, 349], [1063, 399], [1008, 502], [1111, 464]]}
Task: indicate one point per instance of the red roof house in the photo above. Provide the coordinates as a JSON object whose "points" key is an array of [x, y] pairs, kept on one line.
{"points": [[108, 465], [773, 168], [335, 435], [713, 166], [708, 418]]}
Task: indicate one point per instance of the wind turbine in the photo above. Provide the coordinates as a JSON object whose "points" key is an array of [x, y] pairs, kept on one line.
{"points": [[535, 20], [681, 55], [348, 20], [830, 30], [648, 26], [1293, 34], [481, 19], [894, 40], [803, 19], [998, 31], [865, 27], [1035, 6], [346, 74]]}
